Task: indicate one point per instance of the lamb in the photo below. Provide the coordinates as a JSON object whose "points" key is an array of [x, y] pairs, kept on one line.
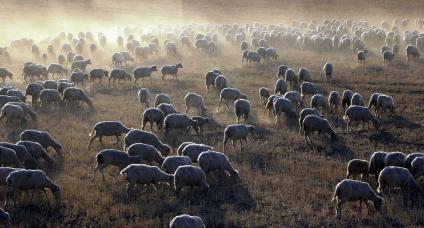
{"points": [[9, 157], [186, 221], [80, 64], [57, 69], [36, 150], [162, 98], [48, 96], [305, 112], [398, 177], [294, 97], [352, 190], [237, 132], [377, 163], [373, 100], [11, 112], [193, 100], [31, 180], [33, 89], [230, 94], [346, 98], [26, 108], [188, 175], [171, 70], [264, 94], [220, 82], [359, 113], [395, 159], [153, 115], [180, 121], [145, 175], [182, 146], [78, 77], [167, 109], [116, 158], [290, 77], [307, 89], [171, 163], [412, 53], [193, 150], [5, 73], [282, 70], [280, 86], [304, 75], [357, 99], [98, 73], [328, 71], [357, 167], [417, 167], [41, 137], [333, 101], [107, 128], [6, 99], [242, 109], [409, 158], [144, 72], [119, 74], [318, 101], [384, 102], [213, 160], [16, 93], [147, 152], [315, 123], [388, 57], [139, 136], [210, 77]]}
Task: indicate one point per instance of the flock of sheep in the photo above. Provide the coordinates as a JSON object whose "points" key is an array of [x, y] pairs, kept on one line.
{"points": [[145, 160]]}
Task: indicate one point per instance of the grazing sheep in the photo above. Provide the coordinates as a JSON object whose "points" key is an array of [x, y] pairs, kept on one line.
{"points": [[182, 146], [153, 115], [352, 190], [139, 136], [377, 163], [291, 78], [270, 103], [213, 160], [230, 95], [48, 96], [186, 221], [412, 53], [307, 89], [27, 109], [180, 121], [78, 77], [41, 137], [9, 157], [294, 97], [318, 101], [328, 71], [4, 173], [333, 101], [147, 152], [398, 177], [193, 150], [315, 123], [200, 121], [237, 132], [171, 163], [98, 73], [210, 77], [31, 180], [72, 95], [395, 159], [116, 158], [119, 58], [144, 174], [5, 73], [171, 70], [11, 112], [280, 86], [162, 98], [33, 70], [193, 100], [188, 175], [357, 99], [80, 64], [119, 74], [304, 75], [373, 100], [282, 70], [167, 109], [50, 84], [362, 55], [61, 59], [359, 113], [144, 72], [346, 98], [242, 109], [357, 167], [33, 89], [384, 102], [23, 155], [282, 105], [220, 82], [409, 158], [305, 112], [388, 57], [417, 167], [57, 69], [107, 128], [36, 150], [264, 94], [144, 97], [6, 99], [16, 93]]}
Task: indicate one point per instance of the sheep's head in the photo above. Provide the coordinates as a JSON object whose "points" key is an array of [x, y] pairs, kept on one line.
{"points": [[252, 129], [106, 73], [88, 61], [179, 65], [56, 191], [165, 150], [243, 96], [154, 68], [85, 76], [10, 75]]}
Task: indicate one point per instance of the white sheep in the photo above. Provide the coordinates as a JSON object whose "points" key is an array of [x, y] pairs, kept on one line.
{"points": [[294, 97], [357, 167], [49, 96], [359, 113], [376, 163], [357, 99], [333, 101], [193, 150], [237, 132], [282, 105], [313, 123], [119, 74], [99, 74], [78, 77], [242, 109], [213, 160], [186, 221], [116, 158], [42, 137], [291, 77], [282, 70], [182, 146], [5, 73], [147, 152], [144, 175], [107, 128], [144, 72], [33, 89], [384, 103], [23, 155], [328, 71], [144, 97], [395, 159], [171, 163], [412, 53], [373, 100], [417, 167], [346, 98], [193, 100], [319, 102], [12, 112], [210, 77], [264, 94], [16, 93], [188, 175], [280, 86], [409, 158], [305, 112], [162, 98], [171, 70], [9, 157], [153, 115], [388, 57], [398, 177], [80, 64], [180, 121], [167, 109], [307, 89], [36, 150], [220, 82], [139, 136], [230, 95], [57, 69]]}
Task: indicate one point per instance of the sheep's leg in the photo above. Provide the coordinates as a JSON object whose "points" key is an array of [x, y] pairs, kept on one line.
{"points": [[154, 187], [101, 141], [47, 198], [32, 195], [91, 140], [117, 139], [226, 103], [339, 208], [219, 105]]}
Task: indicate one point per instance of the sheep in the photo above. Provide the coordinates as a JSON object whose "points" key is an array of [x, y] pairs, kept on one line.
{"points": [[33, 70], [290, 77], [398, 177], [50, 84], [388, 57], [36, 150], [80, 64], [61, 59], [31, 180], [395, 159], [9, 157], [4, 172], [282, 70], [98, 73], [193, 100], [78, 77], [119, 58], [171, 163], [188, 175], [373, 100], [6, 99], [280, 105], [220, 82], [409, 158], [384, 102], [26, 108], [182, 146], [186, 221], [57, 69], [307, 89], [252, 56], [237, 132], [352, 190], [357, 167], [162, 98], [114, 157], [16, 93], [5, 73], [139, 136], [107, 128], [153, 115], [119, 74], [62, 86], [318, 101], [333, 101], [269, 105], [357, 99], [167, 109], [33, 89], [200, 121], [171, 70], [72, 95], [230, 94], [359, 113], [264, 94], [23, 155], [41, 137], [361, 56], [48, 96], [180, 121], [147, 152], [11, 112], [315, 123], [295, 98], [213, 160], [271, 53], [412, 53], [417, 167], [242, 109], [305, 112], [280, 86], [328, 71], [346, 98], [376, 163], [304, 75], [143, 72], [193, 150], [210, 77]]}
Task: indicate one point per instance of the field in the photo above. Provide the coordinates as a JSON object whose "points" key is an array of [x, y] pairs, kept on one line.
{"points": [[284, 182]]}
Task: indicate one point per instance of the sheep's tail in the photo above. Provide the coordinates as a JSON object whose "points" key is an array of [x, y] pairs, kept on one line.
{"points": [[92, 132]]}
